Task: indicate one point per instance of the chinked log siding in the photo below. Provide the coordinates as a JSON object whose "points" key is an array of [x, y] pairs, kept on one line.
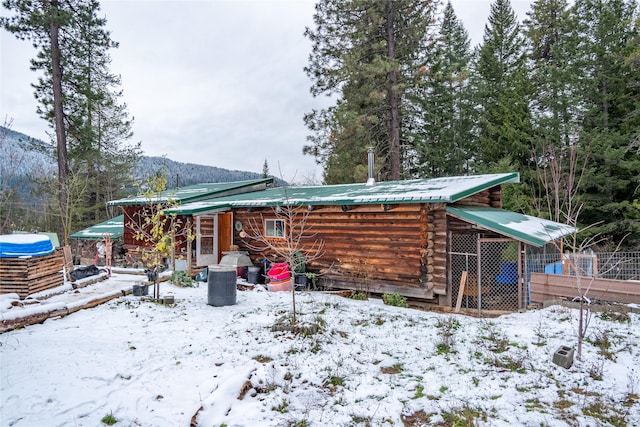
{"points": [[367, 248]]}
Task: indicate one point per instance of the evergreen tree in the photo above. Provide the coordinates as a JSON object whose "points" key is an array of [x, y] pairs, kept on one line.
{"points": [[42, 23], [265, 169], [503, 93], [556, 107], [443, 101], [607, 36], [365, 52], [97, 125]]}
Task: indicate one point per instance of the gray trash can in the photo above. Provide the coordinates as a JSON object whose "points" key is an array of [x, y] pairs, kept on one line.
{"points": [[253, 276], [222, 285]]}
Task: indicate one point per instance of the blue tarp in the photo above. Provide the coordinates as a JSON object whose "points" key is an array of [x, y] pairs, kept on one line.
{"points": [[20, 245]]}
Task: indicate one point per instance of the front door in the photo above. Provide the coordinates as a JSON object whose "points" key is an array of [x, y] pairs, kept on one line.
{"points": [[214, 235]]}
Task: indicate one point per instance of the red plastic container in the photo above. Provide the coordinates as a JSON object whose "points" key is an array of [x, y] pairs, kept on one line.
{"points": [[279, 272]]}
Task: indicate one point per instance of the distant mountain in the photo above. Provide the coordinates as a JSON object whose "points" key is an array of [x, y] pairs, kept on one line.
{"points": [[22, 155], [184, 174]]}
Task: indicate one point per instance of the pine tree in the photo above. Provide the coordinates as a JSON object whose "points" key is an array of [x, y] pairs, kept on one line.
{"points": [[42, 24], [556, 108], [503, 94], [364, 52], [607, 33], [97, 126], [443, 103], [505, 118]]}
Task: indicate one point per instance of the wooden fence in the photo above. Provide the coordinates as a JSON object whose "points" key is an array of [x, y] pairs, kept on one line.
{"points": [[544, 287]]}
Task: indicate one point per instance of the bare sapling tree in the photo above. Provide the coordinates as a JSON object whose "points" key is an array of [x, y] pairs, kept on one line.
{"points": [[155, 228], [584, 267], [298, 244], [560, 171]]}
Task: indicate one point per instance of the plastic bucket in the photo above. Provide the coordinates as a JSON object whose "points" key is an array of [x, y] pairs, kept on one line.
{"points": [[222, 285], [253, 275], [140, 290]]}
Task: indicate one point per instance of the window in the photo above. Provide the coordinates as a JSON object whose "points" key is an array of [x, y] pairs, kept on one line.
{"points": [[274, 228]]}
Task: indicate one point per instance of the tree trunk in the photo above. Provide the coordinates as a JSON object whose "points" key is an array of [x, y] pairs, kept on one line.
{"points": [[394, 150], [58, 113]]}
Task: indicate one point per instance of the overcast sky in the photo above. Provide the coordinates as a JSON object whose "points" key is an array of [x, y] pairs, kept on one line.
{"points": [[215, 82]]}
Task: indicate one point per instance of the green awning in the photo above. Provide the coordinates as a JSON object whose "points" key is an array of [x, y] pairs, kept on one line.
{"points": [[113, 226], [525, 228]]}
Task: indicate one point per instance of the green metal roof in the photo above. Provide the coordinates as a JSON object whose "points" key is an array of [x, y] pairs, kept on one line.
{"points": [[194, 192], [434, 190], [528, 229], [113, 226]]}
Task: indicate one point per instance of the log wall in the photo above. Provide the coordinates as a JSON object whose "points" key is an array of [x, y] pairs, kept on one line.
{"points": [[370, 249], [26, 276]]}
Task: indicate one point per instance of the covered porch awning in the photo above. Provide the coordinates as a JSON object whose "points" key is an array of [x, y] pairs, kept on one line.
{"points": [[524, 228], [113, 226]]}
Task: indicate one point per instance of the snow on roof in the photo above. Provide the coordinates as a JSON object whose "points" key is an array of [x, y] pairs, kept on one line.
{"points": [[191, 192], [448, 189], [528, 229], [113, 226]]}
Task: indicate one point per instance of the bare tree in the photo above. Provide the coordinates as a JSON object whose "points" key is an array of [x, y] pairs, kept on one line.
{"points": [[298, 246]]}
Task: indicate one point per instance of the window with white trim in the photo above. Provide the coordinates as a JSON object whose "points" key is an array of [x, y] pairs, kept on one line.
{"points": [[274, 228]]}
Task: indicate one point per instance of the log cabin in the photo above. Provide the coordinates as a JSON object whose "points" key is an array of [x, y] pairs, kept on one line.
{"points": [[436, 240], [213, 231]]}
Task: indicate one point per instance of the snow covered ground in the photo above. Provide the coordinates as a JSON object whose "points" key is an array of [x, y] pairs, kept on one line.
{"points": [[349, 363]]}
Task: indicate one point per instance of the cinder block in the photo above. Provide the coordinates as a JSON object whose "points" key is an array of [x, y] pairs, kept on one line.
{"points": [[563, 356]]}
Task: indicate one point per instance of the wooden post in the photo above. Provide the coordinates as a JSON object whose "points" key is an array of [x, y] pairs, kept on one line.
{"points": [[173, 250], [463, 284], [189, 248]]}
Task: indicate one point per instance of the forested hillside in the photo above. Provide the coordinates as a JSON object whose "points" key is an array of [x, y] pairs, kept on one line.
{"points": [[30, 157], [28, 166]]}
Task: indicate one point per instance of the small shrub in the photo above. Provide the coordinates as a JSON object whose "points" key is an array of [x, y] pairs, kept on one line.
{"points": [[334, 381], [497, 341], [109, 419], [613, 316], [182, 279], [464, 416], [596, 370], [395, 299], [602, 340], [540, 334], [283, 407], [513, 363], [313, 278], [446, 338], [419, 392], [360, 296], [360, 420]]}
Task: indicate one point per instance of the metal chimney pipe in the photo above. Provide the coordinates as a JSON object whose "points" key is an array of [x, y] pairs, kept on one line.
{"points": [[370, 180]]}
